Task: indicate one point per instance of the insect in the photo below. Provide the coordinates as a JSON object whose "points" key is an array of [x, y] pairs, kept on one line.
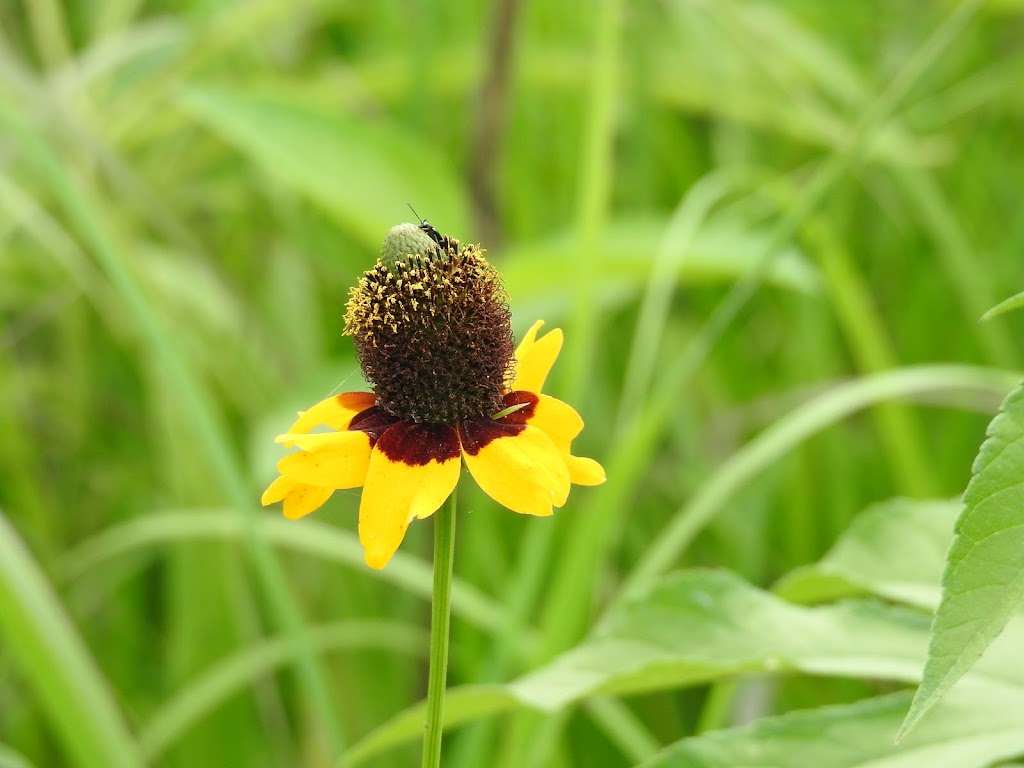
{"points": [[425, 225]]}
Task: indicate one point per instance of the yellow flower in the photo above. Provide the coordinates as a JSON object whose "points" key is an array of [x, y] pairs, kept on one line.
{"points": [[405, 443]]}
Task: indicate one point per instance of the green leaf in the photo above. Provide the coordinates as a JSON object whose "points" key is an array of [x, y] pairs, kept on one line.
{"points": [[894, 550], [1014, 302], [698, 626], [975, 728], [694, 627], [360, 171], [983, 583]]}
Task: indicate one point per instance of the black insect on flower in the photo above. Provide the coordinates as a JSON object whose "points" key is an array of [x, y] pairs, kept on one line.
{"points": [[428, 229]]}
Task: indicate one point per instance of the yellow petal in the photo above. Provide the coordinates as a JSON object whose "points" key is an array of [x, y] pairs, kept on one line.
{"points": [[299, 498], [306, 442], [335, 411], [277, 491], [584, 471], [559, 420], [516, 465], [529, 339], [334, 460], [413, 469], [303, 499], [371, 422], [534, 358]]}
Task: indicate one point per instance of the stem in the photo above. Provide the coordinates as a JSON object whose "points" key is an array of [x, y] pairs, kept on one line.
{"points": [[440, 618]]}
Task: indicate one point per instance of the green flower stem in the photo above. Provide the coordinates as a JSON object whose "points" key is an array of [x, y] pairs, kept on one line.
{"points": [[440, 618]]}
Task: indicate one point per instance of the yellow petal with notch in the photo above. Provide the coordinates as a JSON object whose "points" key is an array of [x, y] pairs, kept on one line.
{"points": [[534, 358]]}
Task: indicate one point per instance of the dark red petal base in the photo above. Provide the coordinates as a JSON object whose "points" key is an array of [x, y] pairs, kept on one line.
{"points": [[412, 444], [373, 421], [476, 434], [523, 415]]}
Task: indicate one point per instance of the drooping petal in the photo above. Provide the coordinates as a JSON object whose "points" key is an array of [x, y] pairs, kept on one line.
{"points": [[584, 471], [334, 460], [534, 358], [413, 469], [335, 411], [299, 498], [303, 499], [517, 465], [277, 490]]}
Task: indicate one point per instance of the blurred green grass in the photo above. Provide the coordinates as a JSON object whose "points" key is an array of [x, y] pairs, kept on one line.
{"points": [[729, 207]]}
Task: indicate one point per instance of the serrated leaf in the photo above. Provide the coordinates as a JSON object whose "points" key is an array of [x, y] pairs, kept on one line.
{"points": [[974, 728], [894, 550], [1014, 302], [360, 171], [983, 583]]}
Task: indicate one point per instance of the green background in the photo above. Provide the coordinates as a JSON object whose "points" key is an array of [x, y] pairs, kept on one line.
{"points": [[730, 208]]}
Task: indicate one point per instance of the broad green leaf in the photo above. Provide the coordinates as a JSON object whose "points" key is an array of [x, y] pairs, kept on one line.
{"points": [[362, 171], [894, 550], [983, 583], [974, 728], [697, 626], [1014, 302], [691, 628]]}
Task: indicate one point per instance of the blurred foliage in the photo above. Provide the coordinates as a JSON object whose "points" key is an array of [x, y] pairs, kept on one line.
{"points": [[743, 213]]}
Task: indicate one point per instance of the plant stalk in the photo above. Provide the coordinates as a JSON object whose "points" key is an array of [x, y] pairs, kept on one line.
{"points": [[440, 619]]}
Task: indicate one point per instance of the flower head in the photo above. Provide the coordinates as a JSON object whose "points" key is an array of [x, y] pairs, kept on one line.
{"points": [[432, 330]]}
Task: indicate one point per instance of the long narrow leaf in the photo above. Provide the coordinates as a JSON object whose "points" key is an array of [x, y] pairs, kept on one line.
{"points": [[57, 664]]}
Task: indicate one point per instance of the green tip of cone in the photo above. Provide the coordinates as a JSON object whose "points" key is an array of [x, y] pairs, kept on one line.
{"points": [[403, 240]]}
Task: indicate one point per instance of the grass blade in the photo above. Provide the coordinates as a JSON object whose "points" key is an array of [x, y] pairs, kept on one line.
{"points": [[1007, 305], [57, 664], [80, 204], [236, 673], [781, 437]]}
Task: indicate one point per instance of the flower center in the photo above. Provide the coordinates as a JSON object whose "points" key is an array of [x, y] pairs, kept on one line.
{"points": [[432, 331]]}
